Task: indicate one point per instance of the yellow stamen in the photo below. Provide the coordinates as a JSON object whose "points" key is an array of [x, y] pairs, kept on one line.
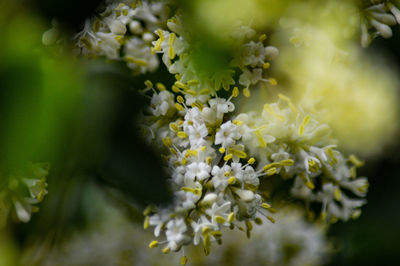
{"points": [[249, 225], [235, 92], [237, 122], [310, 185], [181, 85], [287, 162], [231, 217], [175, 89], [237, 153], [205, 230], [179, 107], [273, 81], [174, 127], [205, 91], [165, 250], [323, 216], [180, 99], [228, 157], [271, 219], [146, 223], [265, 205], [167, 141], [136, 61], [183, 260], [182, 135], [160, 86], [337, 194], [303, 125], [193, 82], [191, 92], [153, 244], [171, 39], [271, 171], [269, 109], [258, 221], [246, 92], [260, 139], [356, 161], [219, 219]]}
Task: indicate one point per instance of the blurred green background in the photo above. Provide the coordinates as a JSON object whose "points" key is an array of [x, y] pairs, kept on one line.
{"points": [[80, 117]]}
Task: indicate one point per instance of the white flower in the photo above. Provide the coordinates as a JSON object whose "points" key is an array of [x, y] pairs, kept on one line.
{"points": [[248, 77], [202, 98], [254, 54], [227, 134], [359, 186], [135, 27], [221, 106], [138, 56], [250, 176], [175, 233], [216, 210], [200, 170], [158, 220], [209, 115], [311, 163], [220, 176], [161, 103], [245, 195], [116, 26], [178, 174], [196, 134], [193, 116], [109, 44], [187, 200], [198, 228], [271, 52], [210, 198]]}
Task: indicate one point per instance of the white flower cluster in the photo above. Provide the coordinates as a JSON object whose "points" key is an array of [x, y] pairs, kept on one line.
{"points": [[225, 168], [214, 180], [284, 132], [215, 166], [249, 61], [377, 19], [124, 32], [22, 191], [216, 160]]}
